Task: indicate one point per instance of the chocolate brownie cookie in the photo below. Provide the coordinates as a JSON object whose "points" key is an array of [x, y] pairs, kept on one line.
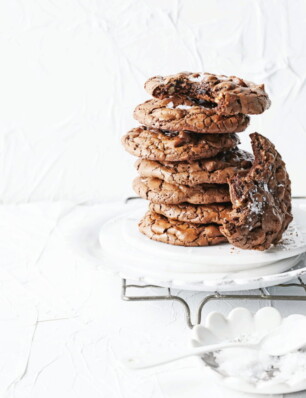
{"points": [[176, 145], [178, 114], [197, 214], [159, 191], [261, 200], [215, 170], [226, 95], [158, 227]]}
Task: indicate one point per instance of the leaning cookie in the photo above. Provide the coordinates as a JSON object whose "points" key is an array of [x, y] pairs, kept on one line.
{"points": [[178, 114], [159, 191], [261, 200], [161, 229], [198, 214], [226, 95], [173, 146], [215, 170]]}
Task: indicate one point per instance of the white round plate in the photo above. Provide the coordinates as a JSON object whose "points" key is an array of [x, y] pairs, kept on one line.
{"points": [[250, 370], [223, 268]]}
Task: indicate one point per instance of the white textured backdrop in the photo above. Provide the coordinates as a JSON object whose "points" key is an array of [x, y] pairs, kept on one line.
{"points": [[71, 73]]}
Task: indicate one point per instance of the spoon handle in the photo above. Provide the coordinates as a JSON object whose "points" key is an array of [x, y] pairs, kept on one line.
{"points": [[161, 359]]}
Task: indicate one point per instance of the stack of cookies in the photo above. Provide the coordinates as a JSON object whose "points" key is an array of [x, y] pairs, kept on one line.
{"points": [[204, 190]]}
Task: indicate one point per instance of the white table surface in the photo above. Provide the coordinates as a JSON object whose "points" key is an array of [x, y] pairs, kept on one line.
{"points": [[63, 324]]}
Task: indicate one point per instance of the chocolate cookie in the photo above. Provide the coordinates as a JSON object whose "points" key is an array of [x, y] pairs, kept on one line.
{"points": [[178, 114], [226, 95], [261, 200], [158, 227], [215, 170], [197, 214], [176, 145], [159, 191]]}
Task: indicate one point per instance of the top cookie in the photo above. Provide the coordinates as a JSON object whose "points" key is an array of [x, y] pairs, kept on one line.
{"points": [[227, 95], [261, 200], [176, 114]]}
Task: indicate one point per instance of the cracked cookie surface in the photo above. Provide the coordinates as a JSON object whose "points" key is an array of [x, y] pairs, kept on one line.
{"points": [[261, 200], [176, 114], [197, 214], [177, 145], [215, 170], [227, 95], [159, 191], [161, 229]]}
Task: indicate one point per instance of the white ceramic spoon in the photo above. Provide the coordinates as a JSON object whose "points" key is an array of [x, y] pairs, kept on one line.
{"points": [[288, 337]]}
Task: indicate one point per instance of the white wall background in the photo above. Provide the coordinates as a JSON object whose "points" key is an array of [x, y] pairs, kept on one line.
{"points": [[72, 71]]}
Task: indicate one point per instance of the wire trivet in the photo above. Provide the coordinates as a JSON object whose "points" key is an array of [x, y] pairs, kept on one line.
{"points": [[263, 294]]}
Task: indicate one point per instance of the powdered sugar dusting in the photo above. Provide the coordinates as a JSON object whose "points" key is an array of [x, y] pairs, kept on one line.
{"points": [[257, 367], [196, 79], [170, 105], [184, 107], [256, 207]]}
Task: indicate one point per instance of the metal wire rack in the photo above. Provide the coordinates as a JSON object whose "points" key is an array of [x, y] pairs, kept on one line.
{"points": [[259, 294]]}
